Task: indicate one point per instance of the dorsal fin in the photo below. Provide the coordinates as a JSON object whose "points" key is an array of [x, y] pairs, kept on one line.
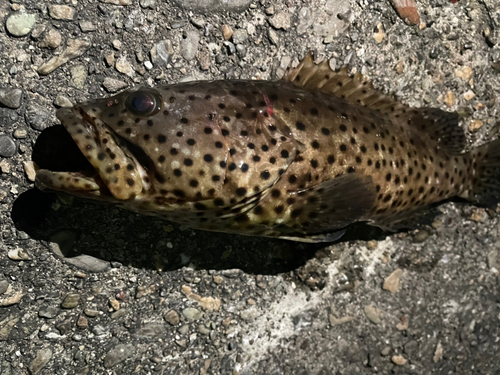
{"points": [[441, 126]]}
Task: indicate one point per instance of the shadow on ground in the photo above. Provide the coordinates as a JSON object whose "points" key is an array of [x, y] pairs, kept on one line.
{"points": [[105, 232]]}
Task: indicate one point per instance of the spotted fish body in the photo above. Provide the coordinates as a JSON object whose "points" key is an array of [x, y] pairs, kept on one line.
{"points": [[300, 158]]}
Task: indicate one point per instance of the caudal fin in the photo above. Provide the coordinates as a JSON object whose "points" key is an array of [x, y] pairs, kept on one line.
{"points": [[486, 174]]}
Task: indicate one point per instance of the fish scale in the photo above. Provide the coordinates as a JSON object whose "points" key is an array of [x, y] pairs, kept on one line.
{"points": [[298, 159]]}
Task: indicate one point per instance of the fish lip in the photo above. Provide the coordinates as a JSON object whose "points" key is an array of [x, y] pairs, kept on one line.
{"points": [[77, 117]]}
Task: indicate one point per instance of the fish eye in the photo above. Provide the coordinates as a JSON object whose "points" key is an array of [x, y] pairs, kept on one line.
{"points": [[143, 103]]}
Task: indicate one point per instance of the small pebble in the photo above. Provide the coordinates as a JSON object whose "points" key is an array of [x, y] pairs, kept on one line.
{"points": [[20, 24], [438, 354], [11, 98], [70, 301], [29, 169], [113, 85], [373, 314], [379, 35], [75, 48], [43, 357], [281, 20], [161, 53], [18, 254], [273, 36], [227, 32], [123, 66], [61, 12], [469, 95], [52, 39], [189, 45], [7, 146], [421, 236], [145, 4], [240, 36], [171, 317], [191, 313], [62, 102], [87, 26], [118, 354], [391, 283], [399, 360], [117, 44], [117, 2], [91, 313]]}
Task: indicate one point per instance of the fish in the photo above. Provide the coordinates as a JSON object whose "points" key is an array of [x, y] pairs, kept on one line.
{"points": [[300, 158]]}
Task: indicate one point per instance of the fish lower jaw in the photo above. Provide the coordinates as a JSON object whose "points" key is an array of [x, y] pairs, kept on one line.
{"points": [[70, 182]]}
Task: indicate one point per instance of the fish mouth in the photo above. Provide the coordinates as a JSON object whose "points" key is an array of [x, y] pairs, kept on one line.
{"points": [[115, 173]]}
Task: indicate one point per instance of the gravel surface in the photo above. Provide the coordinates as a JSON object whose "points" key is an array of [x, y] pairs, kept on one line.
{"points": [[90, 289]]}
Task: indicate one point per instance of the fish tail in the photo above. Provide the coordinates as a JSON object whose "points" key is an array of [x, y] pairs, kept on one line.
{"points": [[485, 189]]}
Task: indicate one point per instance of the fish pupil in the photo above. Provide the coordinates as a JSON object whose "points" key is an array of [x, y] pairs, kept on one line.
{"points": [[142, 103]]}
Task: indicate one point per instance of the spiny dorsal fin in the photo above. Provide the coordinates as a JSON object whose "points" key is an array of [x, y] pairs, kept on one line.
{"points": [[441, 126], [356, 90]]}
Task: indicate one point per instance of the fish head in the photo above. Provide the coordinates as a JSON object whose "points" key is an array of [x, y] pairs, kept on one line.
{"points": [[145, 145]]}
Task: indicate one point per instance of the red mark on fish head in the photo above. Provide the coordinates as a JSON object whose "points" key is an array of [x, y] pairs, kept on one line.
{"points": [[109, 103], [268, 104], [454, 1]]}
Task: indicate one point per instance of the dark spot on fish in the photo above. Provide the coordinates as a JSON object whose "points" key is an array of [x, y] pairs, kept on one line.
{"points": [[173, 151], [279, 209], [258, 210], [244, 167], [300, 126], [208, 158], [315, 144], [265, 175], [184, 120], [218, 144], [314, 163], [191, 142], [331, 159], [177, 172], [188, 162], [241, 192], [159, 178], [161, 158]]}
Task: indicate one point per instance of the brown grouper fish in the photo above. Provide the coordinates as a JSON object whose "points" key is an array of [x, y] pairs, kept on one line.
{"points": [[300, 158]]}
